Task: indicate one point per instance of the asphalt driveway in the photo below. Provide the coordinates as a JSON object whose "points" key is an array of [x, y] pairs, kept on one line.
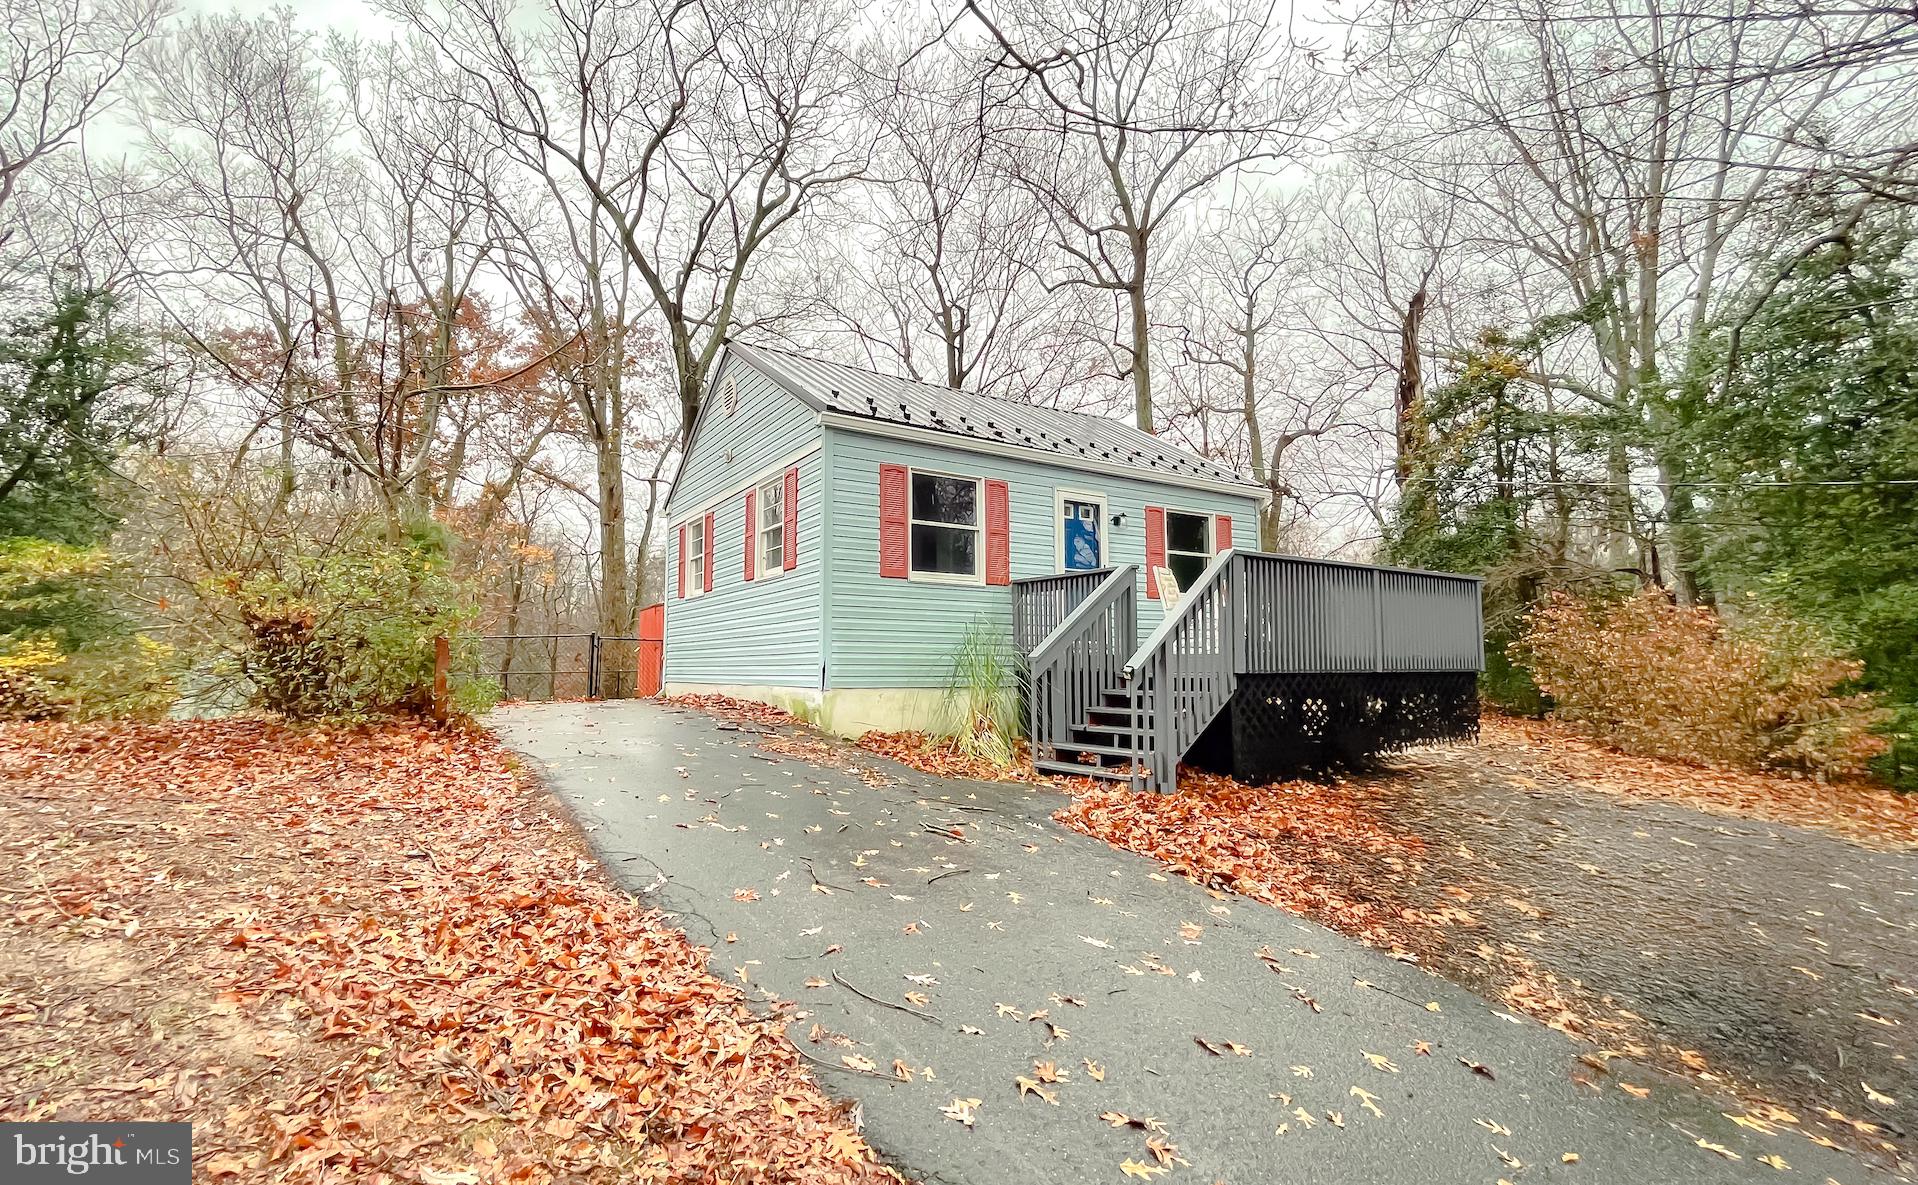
{"points": [[1261, 1047]]}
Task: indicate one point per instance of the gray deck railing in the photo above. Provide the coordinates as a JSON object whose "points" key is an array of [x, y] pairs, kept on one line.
{"points": [[1040, 603], [1306, 615], [1184, 674], [1078, 661], [1248, 613]]}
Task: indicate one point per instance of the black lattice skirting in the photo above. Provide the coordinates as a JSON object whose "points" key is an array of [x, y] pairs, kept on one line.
{"points": [[1279, 726]]}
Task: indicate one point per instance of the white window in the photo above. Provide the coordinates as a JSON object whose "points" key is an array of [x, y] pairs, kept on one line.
{"points": [[695, 557], [771, 501], [1079, 530], [945, 519], [1188, 546]]}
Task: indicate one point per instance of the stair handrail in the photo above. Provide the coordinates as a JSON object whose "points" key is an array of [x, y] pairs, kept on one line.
{"points": [[1170, 715], [1123, 575], [1061, 685], [1155, 639]]}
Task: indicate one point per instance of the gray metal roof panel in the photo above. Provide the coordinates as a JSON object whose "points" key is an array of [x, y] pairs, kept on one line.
{"points": [[853, 391]]}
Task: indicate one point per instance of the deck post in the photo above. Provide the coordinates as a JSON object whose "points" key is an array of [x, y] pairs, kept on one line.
{"points": [[1238, 592], [1378, 623]]}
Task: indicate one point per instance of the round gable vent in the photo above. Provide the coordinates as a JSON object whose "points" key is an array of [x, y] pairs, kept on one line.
{"points": [[731, 397]]}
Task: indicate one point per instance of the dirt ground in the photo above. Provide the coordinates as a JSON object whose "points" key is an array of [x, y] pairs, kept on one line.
{"points": [[367, 956]]}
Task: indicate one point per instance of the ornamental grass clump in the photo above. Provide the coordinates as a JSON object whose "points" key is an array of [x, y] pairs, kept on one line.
{"points": [[980, 713]]}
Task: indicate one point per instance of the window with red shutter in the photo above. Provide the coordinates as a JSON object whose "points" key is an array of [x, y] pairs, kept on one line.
{"points": [[1224, 534], [696, 557]]}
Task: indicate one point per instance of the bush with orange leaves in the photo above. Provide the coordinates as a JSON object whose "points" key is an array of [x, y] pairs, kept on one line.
{"points": [[1654, 678]]}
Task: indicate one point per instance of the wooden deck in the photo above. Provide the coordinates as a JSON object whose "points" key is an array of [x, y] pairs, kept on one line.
{"points": [[1102, 702]]}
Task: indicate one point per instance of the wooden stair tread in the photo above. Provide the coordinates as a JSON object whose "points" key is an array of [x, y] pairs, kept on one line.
{"points": [[1073, 769], [1102, 750]]}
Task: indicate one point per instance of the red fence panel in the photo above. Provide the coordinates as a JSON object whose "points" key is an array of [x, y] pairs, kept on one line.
{"points": [[652, 649]]}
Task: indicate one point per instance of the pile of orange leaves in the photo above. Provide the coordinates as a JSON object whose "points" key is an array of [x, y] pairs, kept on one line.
{"points": [[932, 755], [1318, 850], [371, 955]]}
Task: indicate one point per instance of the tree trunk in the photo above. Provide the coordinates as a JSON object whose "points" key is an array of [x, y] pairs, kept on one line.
{"points": [[615, 603], [1141, 357], [1408, 402]]}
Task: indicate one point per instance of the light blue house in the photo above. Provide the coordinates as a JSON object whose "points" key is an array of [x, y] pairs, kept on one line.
{"points": [[834, 533]]}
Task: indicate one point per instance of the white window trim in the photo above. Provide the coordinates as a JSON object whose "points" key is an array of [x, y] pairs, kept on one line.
{"points": [[1211, 535], [761, 569], [1059, 499], [978, 576], [694, 586]]}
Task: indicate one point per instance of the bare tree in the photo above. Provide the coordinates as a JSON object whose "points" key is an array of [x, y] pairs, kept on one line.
{"points": [[323, 242], [1240, 325], [945, 278], [1120, 116], [696, 130], [1623, 152], [61, 61]]}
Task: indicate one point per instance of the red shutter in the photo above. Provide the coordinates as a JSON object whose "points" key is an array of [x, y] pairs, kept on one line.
{"points": [[682, 562], [895, 547], [998, 541], [752, 529], [706, 569], [791, 518], [1154, 548], [1222, 535]]}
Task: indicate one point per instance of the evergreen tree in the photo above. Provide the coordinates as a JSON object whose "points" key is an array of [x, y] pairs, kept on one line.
{"points": [[70, 381], [1808, 433]]}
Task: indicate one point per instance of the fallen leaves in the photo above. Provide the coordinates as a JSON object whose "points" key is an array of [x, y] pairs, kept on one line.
{"points": [[1031, 1086], [1718, 1149], [403, 894], [964, 1111], [1264, 842], [1857, 810], [1136, 1168]]}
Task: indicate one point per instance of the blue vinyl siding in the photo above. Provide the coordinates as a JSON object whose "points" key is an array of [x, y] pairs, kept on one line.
{"points": [[765, 632], [768, 424], [901, 633]]}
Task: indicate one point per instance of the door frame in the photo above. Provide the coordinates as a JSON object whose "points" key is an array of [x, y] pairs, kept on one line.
{"points": [[1062, 495]]}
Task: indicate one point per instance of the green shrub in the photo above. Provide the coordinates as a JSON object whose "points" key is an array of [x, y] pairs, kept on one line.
{"points": [[66, 653], [1650, 677], [349, 632], [981, 707]]}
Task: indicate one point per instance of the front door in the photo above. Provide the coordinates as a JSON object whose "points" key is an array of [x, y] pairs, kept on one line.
{"points": [[1081, 535]]}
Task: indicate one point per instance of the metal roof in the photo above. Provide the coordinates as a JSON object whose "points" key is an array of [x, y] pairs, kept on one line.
{"points": [[852, 391]]}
